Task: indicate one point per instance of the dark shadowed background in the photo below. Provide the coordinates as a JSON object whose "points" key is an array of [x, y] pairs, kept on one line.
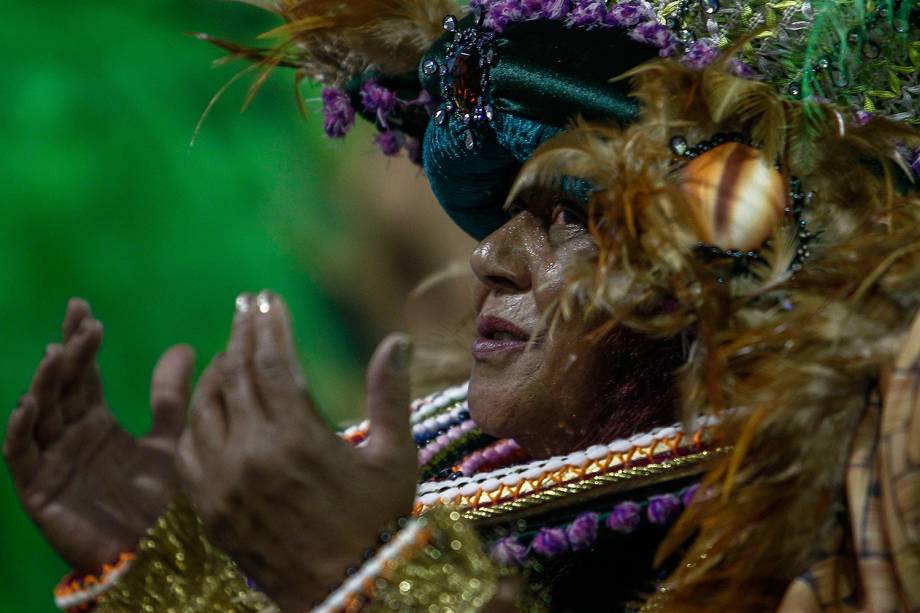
{"points": [[103, 198]]}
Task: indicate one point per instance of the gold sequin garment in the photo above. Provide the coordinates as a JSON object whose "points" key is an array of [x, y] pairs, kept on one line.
{"points": [[177, 570], [452, 573]]}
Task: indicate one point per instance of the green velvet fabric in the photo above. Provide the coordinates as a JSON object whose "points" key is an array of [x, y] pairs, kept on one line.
{"points": [[545, 76]]}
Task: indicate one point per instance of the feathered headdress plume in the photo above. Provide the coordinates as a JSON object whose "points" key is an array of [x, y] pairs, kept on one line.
{"points": [[787, 357], [331, 41]]}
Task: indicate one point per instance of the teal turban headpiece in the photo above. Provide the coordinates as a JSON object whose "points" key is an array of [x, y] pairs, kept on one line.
{"points": [[502, 95], [471, 89]]}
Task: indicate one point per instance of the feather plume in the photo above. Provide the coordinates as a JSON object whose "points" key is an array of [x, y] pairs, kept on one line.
{"points": [[792, 356], [330, 41]]}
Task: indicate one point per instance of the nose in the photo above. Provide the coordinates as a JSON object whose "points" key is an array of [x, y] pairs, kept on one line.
{"points": [[501, 262]]}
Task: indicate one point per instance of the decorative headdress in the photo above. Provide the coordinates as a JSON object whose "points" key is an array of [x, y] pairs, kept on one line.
{"points": [[758, 181]]}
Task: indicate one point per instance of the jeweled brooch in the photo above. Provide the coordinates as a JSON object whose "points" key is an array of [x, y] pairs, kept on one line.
{"points": [[465, 77]]}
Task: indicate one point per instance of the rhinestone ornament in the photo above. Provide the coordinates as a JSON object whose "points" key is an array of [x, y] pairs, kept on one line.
{"points": [[465, 79]]}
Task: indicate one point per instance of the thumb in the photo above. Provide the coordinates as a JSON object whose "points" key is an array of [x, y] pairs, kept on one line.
{"points": [[388, 400], [170, 391]]}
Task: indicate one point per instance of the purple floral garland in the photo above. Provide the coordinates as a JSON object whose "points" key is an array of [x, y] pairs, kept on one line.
{"points": [[637, 16], [624, 518], [379, 101]]}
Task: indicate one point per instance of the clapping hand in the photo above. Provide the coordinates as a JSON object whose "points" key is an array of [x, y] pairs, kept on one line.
{"points": [[90, 487], [292, 503]]}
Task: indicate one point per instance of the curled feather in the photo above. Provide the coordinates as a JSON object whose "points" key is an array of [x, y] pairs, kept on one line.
{"points": [[786, 359]]}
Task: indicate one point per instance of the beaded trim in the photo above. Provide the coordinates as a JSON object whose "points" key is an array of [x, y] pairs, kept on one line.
{"points": [[79, 593], [360, 586], [648, 472], [441, 427], [522, 481]]}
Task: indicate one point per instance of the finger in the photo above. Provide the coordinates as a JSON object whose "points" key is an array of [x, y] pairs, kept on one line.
{"points": [[207, 419], [81, 348], [77, 310], [241, 339], [276, 370], [81, 387], [240, 398], [170, 391], [45, 391], [20, 450], [388, 399], [188, 465], [283, 334]]}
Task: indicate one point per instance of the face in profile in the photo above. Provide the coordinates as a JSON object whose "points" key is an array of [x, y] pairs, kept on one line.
{"points": [[554, 386]]}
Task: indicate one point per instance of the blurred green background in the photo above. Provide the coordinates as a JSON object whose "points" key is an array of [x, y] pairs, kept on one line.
{"points": [[102, 198]]}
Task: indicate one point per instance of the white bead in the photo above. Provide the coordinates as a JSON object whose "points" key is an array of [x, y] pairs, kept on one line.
{"points": [[533, 473], [491, 484], [511, 480], [596, 452], [643, 441], [469, 489], [429, 499]]}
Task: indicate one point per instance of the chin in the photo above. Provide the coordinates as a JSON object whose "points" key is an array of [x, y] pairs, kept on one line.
{"points": [[491, 406]]}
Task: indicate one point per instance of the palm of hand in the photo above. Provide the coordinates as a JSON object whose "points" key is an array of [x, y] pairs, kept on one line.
{"points": [[90, 487], [288, 500]]}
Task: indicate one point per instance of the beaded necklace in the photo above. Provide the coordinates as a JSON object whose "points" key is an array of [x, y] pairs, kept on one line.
{"points": [[463, 467]]}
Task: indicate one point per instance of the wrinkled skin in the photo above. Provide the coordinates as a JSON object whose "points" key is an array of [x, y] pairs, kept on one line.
{"points": [[533, 392], [291, 502], [543, 393], [90, 487]]}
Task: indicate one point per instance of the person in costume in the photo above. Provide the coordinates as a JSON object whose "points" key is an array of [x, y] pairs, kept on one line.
{"points": [[695, 294]]}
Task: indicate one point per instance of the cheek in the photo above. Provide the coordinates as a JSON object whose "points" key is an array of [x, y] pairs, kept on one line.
{"points": [[555, 267], [501, 399]]}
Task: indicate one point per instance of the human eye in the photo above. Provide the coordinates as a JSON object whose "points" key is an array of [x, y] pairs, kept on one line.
{"points": [[566, 222], [563, 215]]}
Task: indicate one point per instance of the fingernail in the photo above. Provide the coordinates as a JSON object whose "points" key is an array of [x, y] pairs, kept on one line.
{"points": [[400, 356], [242, 303], [264, 302]]}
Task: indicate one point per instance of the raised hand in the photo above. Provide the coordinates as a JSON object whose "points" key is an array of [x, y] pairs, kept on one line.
{"points": [[292, 503], [90, 487]]}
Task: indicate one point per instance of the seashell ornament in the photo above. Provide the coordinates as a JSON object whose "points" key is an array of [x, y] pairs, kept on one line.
{"points": [[737, 196]]}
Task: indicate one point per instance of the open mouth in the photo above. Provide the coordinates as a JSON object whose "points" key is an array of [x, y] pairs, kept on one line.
{"points": [[497, 335]]}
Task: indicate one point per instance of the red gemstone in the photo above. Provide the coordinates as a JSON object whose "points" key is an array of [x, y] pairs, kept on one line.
{"points": [[466, 78]]}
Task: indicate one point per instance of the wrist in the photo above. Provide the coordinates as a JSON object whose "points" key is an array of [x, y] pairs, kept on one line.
{"points": [[330, 571], [78, 591]]}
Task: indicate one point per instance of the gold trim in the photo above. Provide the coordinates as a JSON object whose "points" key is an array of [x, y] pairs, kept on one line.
{"points": [[633, 477]]}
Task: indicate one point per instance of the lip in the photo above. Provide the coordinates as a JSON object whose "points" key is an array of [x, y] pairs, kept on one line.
{"points": [[485, 346]]}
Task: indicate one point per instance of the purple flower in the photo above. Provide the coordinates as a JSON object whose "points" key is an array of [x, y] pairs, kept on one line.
{"points": [[583, 531], [530, 8], [509, 552], [655, 34], [862, 117], [338, 114], [687, 496], [550, 542], [389, 142], [700, 54], [663, 509], [625, 517], [740, 69], [628, 14], [552, 10], [378, 99], [587, 14], [503, 13], [915, 164]]}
